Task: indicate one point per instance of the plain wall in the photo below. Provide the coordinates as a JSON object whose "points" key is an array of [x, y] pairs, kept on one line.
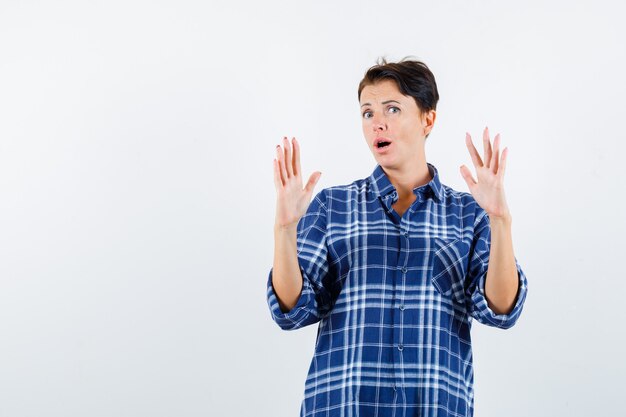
{"points": [[137, 196]]}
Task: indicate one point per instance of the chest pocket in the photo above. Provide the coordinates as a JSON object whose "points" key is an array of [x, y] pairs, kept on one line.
{"points": [[450, 267]]}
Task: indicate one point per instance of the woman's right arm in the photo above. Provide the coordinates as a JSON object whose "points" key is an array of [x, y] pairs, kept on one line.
{"points": [[292, 202]]}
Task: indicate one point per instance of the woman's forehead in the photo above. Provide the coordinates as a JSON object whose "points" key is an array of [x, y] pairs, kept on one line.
{"points": [[380, 91]]}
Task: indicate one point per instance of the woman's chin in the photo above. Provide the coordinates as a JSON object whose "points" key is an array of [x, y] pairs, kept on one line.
{"points": [[384, 159]]}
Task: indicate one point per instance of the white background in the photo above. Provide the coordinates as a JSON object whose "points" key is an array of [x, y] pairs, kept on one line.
{"points": [[137, 197]]}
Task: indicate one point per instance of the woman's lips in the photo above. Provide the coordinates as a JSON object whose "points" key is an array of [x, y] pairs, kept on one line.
{"points": [[384, 149]]}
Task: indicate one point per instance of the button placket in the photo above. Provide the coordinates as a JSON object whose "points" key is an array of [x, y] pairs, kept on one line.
{"points": [[403, 268], [402, 275]]}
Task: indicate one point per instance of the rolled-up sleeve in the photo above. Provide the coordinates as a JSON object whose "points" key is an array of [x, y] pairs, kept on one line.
{"points": [[315, 300], [478, 265]]}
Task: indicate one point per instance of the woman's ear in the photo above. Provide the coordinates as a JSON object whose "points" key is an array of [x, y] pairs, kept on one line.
{"points": [[429, 121]]}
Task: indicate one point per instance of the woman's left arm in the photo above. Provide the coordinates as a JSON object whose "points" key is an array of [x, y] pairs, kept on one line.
{"points": [[502, 282]]}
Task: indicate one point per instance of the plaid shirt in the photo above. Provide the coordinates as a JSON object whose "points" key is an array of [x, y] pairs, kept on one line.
{"points": [[394, 297]]}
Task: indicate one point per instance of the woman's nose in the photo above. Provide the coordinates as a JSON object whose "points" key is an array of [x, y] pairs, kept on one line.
{"points": [[379, 125]]}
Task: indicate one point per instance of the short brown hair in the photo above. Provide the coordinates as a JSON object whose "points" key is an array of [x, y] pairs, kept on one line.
{"points": [[412, 77]]}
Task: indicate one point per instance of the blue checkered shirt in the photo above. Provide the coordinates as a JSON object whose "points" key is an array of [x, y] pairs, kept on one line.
{"points": [[394, 297]]}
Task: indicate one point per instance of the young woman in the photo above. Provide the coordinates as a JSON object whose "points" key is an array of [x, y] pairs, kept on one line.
{"points": [[394, 266]]}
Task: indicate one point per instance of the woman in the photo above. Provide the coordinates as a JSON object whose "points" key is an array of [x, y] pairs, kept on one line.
{"points": [[394, 266]]}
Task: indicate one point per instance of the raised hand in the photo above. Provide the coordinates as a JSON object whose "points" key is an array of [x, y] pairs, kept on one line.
{"points": [[488, 191], [291, 199]]}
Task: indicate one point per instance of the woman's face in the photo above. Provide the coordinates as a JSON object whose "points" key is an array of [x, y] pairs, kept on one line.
{"points": [[394, 121]]}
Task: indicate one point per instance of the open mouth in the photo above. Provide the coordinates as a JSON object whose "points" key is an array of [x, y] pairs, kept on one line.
{"points": [[381, 144]]}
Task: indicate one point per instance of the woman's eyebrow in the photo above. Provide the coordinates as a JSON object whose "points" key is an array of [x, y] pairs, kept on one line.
{"points": [[384, 102]]}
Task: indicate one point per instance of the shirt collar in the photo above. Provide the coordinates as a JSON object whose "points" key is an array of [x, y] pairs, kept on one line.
{"points": [[382, 187]]}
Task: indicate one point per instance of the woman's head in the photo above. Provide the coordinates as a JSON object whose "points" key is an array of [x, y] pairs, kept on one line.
{"points": [[413, 78], [398, 103]]}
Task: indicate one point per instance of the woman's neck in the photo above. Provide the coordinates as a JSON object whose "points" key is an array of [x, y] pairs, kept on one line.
{"points": [[408, 178]]}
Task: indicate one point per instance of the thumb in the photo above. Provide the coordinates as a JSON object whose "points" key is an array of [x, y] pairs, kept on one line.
{"points": [[313, 179], [467, 176]]}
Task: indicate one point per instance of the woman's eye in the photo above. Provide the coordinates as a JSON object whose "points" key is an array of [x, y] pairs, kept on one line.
{"points": [[367, 114], [394, 109]]}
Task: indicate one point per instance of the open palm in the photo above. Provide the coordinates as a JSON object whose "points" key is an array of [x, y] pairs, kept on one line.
{"points": [[291, 199], [488, 189]]}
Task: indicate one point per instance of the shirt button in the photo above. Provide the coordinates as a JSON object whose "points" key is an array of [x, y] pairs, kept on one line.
{"points": [[401, 307], [400, 347], [404, 270], [406, 234]]}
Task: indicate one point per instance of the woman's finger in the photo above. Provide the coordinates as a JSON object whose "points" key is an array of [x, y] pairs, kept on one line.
{"points": [[313, 179], [473, 152], [281, 164], [288, 161], [277, 181], [505, 153], [496, 154], [296, 157], [467, 176], [487, 147]]}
